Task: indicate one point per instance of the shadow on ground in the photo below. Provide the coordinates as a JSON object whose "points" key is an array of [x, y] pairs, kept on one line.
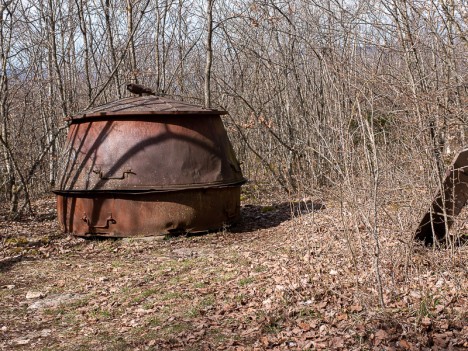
{"points": [[253, 217], [257, 217], [7, 263]]}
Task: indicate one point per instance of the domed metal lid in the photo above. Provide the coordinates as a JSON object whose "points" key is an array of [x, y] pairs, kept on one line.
{"points": [[144, 105]]}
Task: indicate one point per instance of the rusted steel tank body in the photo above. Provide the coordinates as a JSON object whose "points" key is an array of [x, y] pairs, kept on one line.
{"points": [[145, 166]]}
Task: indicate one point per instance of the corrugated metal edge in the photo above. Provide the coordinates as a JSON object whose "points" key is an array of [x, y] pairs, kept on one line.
{"points": [[121, 115], [150, 190], [174, 108]]}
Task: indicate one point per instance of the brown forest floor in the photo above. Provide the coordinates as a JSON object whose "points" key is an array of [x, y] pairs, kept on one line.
{"points": [[285, 279]]}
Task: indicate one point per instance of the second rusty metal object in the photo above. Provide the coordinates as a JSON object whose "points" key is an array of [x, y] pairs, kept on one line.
{"points": [[145, 166], [447, 203]]}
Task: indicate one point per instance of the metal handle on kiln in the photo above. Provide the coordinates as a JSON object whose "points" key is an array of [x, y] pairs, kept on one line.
{"points": [[109, 220], [101, 174]]}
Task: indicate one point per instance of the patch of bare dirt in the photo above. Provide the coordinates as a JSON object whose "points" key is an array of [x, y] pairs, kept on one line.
{"points": [[290, 276]]}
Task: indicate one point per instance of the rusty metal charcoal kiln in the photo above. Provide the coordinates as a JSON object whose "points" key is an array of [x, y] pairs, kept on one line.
{"points": [[145, 166]]}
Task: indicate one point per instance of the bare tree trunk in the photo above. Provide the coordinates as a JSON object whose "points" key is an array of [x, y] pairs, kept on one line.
{"points": [[52, 42], [5, 46], [55, 79], [161, 44], [157, 49], [209, 51], [181, 74], [132, 55], [111, 47], [417, 77], [84, 32]]}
